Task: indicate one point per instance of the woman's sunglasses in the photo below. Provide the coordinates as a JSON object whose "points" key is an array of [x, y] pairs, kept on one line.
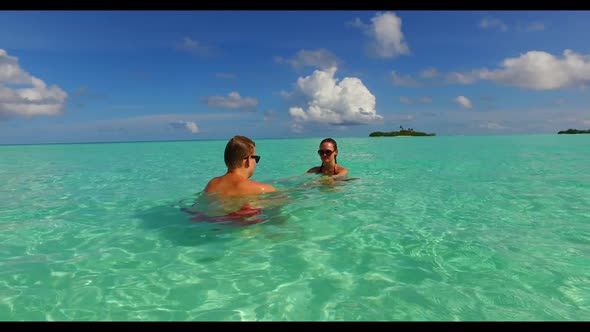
{"points": [[325, 152], [257, 158]]}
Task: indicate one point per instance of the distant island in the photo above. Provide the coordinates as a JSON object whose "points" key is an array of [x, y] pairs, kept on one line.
{"points": [[574, 131], [401, 132]]}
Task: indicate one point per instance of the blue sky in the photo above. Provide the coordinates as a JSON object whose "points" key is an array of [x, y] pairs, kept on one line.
{"points": [[86, 76]]}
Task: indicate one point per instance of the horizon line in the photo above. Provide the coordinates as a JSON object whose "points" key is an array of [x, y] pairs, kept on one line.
{"points": [[224, 139]]}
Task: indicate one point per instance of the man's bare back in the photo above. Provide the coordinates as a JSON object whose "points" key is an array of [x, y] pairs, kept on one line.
{"points": [[241, 161], [233, 184]]}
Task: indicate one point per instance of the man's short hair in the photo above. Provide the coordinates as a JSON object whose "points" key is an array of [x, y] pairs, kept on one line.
{"points": [[236, 150]]}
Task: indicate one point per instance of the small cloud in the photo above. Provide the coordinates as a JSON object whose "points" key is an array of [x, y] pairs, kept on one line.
{"points": [[430, 73], [296, 127], [195, 47], [285, 94], [408, 117], [320, 58], [269, 115], [463, 78], [192, 127], [80, 91], [406, 100], [232, 101], [188, 125], [225, 75], [463, 101], [493, 23], [407, 80], [586, 122], [492, 125], [560, 101], [535, 26], [426, 99], [84, 92], [357, 23], [81, 96], [385, 31]]}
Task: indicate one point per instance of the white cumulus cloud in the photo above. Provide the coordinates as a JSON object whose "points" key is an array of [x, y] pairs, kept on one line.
{"points": [[463, 101], [536, 70], [192, 127], [39, 99], [188, 125], [331, 102], [10, 71], [385, 31], [232, 101]]}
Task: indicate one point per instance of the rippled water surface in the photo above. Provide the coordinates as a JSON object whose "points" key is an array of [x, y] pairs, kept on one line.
{"points": [[435, 228]]}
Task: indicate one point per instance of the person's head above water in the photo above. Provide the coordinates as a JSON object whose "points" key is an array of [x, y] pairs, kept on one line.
{"points": [[240, 152], [241, 160], [328, 150]]}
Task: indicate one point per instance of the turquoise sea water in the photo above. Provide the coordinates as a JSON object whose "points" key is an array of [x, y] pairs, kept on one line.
{"points": [[436, 228]]}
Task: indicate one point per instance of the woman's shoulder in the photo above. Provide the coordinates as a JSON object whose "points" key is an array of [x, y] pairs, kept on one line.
{"points": [[341, 170], [314, 169]]}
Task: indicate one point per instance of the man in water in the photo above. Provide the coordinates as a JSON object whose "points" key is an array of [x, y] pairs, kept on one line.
{"points": [[232, 196], [241, 160]]}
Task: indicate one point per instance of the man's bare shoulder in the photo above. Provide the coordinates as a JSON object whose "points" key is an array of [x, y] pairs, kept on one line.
{"points": [[255, 187], [213, 184], [230, 186]]}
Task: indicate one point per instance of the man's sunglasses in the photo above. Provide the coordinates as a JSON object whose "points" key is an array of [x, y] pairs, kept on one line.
{"points": [[325, 152], [257, 158]]}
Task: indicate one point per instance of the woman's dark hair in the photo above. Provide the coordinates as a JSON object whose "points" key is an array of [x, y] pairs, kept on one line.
{"points": [[331, 140]]}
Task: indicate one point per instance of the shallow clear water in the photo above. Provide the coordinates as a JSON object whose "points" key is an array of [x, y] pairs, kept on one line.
{"points": [[436, 228]]}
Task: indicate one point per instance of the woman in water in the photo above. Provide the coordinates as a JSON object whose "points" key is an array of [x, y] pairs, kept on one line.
{"points": [[328, 152]]}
